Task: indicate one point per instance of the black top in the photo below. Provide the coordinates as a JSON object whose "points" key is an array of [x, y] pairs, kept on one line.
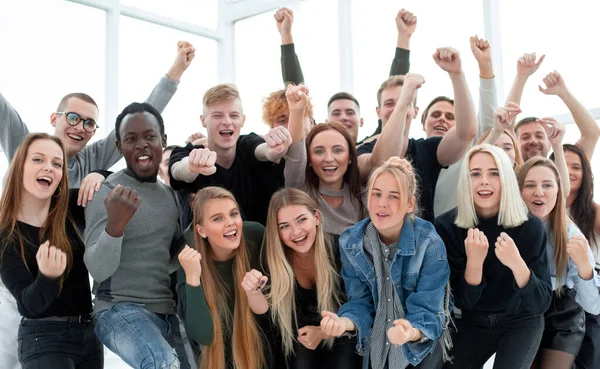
{"points": [[498, 291], [38, 296], [422, 153], [251, 181]]}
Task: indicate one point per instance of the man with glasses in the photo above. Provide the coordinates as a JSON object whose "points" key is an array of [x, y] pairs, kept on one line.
{"points": [[75, 119]]}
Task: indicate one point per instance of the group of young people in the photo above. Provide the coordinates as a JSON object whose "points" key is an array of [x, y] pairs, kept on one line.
{"points": [[304, 248]]}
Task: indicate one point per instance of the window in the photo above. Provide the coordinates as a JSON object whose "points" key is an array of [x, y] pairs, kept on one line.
{"points": [[258, 66], [564, 37], [439, 24], [146, 53], [44, 62], [200, 12]]}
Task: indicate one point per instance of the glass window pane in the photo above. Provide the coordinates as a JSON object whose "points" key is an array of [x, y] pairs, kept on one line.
{"points": [[146, 53], [257, 61], [44, 62], [565, 34], [374, 33], [201, 12]]}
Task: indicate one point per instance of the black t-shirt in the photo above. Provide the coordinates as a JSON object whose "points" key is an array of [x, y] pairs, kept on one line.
{"points": [[422, 153], [36, 295], [251, 181], [498, 291]]}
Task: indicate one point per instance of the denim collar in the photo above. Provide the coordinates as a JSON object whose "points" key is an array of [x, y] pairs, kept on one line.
{"points": [[352, 237]]}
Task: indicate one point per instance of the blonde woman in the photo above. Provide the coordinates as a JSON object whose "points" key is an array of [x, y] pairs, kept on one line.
{"points": [[304, 272], [395, 271], [571, 265], [218, 311], [499, 270]]}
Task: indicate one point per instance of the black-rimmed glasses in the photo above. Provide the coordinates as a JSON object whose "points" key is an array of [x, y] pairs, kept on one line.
{"points": [[73, 119]]}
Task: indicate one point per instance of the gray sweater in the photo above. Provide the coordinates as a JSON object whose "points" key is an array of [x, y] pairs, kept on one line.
{"points": [[101, 154], [136, 266]]}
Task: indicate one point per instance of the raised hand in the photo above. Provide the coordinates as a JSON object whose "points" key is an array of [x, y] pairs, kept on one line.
{"points": [[554, 130], [527, 64], [331, 325], [476, 246], [406, 23], [448, 59], [196, 137], [504, 115], [412, 82], [189, 259], [90, 185], [278, 139], [121, 203], [284, 19], [51, 261], [310, 336], [555, 84], [202, 161], [402, 332], [254, 282], [185, 54], [481, 49], [297, 97], [507, 252], [577, 248]]}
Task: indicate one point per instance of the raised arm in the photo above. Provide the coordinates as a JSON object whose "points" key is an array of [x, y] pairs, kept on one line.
{"points": [[406, 23], [106, 216], [391, 141], [556, 133], [457, 141], [196, 314], [276, 144], [12, 129], [526, 66], [290, 64], [590, 132], [503, 117], [488, 95]]}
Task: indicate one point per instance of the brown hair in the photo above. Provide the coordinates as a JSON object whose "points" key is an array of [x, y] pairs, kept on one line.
{"points": [[351, 177], [393, 81], [54, 227], [282, 276], [218, 93], [557, 219], [517, 147], [246, 341], [275, 105], [425, 114], [76, 95], [582, 210]]}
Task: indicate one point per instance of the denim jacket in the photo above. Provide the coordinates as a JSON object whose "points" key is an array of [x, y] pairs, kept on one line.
{"points": [[420, 272]]}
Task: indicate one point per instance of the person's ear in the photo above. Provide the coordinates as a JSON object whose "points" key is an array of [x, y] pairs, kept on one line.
{"points": [[411, 205], [53, 119], [200, 231], [362, 122], [118, 144], [164, 140], [203, 120]]}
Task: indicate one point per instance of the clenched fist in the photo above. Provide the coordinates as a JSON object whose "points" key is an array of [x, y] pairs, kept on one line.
{"points": [[278, 139], [448, 59], [51, 261], [189, 259], [254, 282], [121, 203], [402, 332], [412, 82], [202, 161], [476, 246]]}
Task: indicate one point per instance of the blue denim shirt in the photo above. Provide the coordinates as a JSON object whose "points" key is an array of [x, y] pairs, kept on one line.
{"points": [[420, 272]]}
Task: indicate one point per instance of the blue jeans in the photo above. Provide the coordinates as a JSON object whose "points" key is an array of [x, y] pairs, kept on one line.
{"points": [[49, 344], [141, 338]]}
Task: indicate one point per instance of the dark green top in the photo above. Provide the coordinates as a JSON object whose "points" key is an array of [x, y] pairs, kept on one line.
{"points": [[198, 322]]}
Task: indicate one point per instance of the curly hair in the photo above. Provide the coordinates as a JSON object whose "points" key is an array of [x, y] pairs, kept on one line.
{"points": [[275, 105]]}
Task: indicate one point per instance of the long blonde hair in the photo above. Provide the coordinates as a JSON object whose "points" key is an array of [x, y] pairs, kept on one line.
{"points": [[557, 219], [282, 276], [513, 211], [247, 337], [54, 228]]}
